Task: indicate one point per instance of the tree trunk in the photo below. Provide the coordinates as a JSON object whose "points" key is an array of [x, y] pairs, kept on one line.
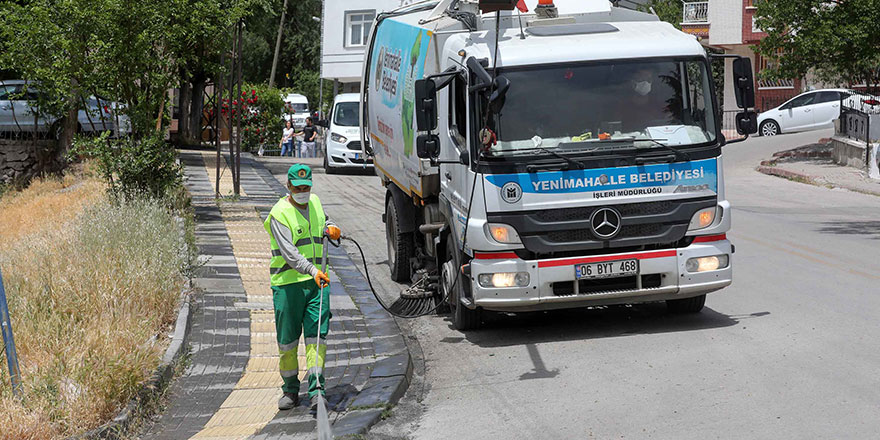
{"points": [[183, 119], [194, 135]]}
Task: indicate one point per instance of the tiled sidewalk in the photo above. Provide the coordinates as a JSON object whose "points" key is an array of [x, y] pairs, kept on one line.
{"points": [[231, 389]]}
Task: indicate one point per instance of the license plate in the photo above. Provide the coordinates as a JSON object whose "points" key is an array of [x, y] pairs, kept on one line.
{"points": [[607, 269], [357, 156]]}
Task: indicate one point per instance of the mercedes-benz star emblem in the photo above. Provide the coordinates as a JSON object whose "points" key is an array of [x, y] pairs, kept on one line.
{"points": [[605, 223]]}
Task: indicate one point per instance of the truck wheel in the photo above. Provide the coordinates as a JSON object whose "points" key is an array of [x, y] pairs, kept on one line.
{"points": [[400, 245], [327, 168], [452, 282], [687, 305]]}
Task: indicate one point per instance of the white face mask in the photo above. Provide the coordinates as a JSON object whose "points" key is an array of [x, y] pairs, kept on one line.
{"points": [[642, 87], [301, 198]]}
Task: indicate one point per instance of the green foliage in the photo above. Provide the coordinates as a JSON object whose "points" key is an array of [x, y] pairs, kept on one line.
{"points": [[262, 112], [299, 60], [132, 52], [133, 168], [838, 40], [669, 11]]}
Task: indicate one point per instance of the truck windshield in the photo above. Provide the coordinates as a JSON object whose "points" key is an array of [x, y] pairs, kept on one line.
{"points": [[576, 107], [346, 114], [297, 107]]}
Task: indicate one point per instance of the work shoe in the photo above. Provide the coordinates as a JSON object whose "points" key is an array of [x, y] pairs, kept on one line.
{"points": [[313, 403], [288, 401]]}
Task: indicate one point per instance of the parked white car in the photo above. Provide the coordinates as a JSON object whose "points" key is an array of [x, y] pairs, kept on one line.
{"points": [[812, 110], [342, 137], [296, 109]]}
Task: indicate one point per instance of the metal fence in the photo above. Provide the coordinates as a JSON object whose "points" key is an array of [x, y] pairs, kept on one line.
{"points": [[695, 12], [860, 119], [728, 124]]}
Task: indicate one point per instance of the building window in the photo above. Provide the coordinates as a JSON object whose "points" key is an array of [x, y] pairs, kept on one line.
{"points": [[357, 27]]}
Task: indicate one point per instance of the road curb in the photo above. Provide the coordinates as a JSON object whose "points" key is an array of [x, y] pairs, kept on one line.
{"points": [[787, 174], [137, 407]]}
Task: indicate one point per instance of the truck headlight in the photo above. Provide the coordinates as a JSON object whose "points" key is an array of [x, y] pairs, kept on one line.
{"points": [[705, 264], [702, 219], [502, 233], [335, 137], [504, 279]]}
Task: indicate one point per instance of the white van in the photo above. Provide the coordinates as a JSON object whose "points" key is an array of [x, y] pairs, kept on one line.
{"points": [[296, 109], [342, 139]]}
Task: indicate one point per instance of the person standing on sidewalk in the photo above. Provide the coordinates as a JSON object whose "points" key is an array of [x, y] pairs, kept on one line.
{"points": [[296, 226], [287, 139], [310, 134]]}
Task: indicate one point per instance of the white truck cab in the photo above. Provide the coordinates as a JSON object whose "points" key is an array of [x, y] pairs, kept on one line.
{"points": [[296, 109], [342, 142], [569, 161]]}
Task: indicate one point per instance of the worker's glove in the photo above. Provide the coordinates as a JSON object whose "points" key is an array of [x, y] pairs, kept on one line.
{"points": [[321, 279], [333, 232]]}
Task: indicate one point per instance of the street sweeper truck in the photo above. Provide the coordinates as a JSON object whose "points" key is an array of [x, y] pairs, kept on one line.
{"points": [[549, 155]]}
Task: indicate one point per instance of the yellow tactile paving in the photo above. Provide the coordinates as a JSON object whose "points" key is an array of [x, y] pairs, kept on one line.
{"points": [[225, 173], [253, 402], [239, 398]]}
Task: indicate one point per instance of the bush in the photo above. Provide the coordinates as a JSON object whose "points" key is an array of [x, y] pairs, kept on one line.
{"points": [[90, 299], [133, 168], [262, 113]]}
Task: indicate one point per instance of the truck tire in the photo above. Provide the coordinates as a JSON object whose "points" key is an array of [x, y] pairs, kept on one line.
{"points": [[463, 318], [400, 245], [687, 305]]}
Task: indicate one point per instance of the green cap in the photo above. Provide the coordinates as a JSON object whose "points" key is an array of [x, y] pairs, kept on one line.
{"points": [[299, 174]]}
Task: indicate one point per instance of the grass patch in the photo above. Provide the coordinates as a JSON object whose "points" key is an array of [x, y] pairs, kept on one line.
{"points": [[93, 287]]}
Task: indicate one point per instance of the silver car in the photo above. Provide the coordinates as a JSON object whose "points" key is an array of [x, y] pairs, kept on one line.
{"points": [[17, 113]]}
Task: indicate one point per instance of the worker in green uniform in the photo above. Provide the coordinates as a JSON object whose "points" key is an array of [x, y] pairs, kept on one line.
{"points": [[296, 226]]}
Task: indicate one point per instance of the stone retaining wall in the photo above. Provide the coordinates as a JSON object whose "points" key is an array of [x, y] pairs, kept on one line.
{"points": [[20, 160]]}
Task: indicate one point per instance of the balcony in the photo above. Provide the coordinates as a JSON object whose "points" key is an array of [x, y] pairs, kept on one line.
{"points": [[695, 19], [695, 13]]}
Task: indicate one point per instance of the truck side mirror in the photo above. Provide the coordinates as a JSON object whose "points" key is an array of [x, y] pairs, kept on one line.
{"points": [[428, 146], [496, 100], [426, 105], [743, 83], [747, 122], [322, 123]]}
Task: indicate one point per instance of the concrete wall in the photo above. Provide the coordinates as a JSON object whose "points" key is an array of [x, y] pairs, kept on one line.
{"points": [[725, 22]]}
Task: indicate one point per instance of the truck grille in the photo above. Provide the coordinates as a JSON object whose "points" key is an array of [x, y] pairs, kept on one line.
{"points": [[607, 285], [356, 146], [567, 230]]}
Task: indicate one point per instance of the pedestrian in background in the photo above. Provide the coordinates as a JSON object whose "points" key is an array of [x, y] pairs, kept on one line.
{"points": [[309, 136], [287, 139]]}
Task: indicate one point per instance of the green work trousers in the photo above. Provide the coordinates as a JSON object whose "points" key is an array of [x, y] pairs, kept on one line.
{"points": [[296, 310]]}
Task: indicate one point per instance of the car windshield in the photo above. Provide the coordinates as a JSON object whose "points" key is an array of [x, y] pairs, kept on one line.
{"points": [[297, 107], [346, 114], [575, 107]]}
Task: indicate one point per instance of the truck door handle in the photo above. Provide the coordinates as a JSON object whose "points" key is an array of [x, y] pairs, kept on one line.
{"points": [[448, 176]]}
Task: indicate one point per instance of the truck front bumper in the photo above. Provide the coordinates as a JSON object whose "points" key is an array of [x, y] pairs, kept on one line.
{"points": [[552, 285]]}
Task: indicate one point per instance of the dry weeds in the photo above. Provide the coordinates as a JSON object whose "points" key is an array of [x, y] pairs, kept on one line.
{"points": [[92, 289]]}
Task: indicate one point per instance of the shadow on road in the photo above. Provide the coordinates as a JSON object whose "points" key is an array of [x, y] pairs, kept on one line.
{"points": [[867, 228], [591, 323]]}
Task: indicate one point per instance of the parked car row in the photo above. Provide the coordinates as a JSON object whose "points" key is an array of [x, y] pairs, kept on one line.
{"points": [[813, 110], [17, 113]]}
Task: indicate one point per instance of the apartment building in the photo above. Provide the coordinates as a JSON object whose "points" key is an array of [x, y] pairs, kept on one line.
{"points": [[730, 25]]}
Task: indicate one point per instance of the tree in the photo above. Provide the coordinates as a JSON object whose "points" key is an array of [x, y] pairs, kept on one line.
{"points": [[669, 11], [839, 40]]}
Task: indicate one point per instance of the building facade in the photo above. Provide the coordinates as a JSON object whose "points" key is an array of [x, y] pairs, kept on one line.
{"points": [[729, 25], [345, 27]]}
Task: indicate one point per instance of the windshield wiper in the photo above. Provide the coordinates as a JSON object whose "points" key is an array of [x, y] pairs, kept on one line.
{"points": [[679, 154], [571, 162]]}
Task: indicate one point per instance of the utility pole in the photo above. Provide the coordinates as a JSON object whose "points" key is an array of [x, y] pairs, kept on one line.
{"points": [[237, 160], [277, 44]]}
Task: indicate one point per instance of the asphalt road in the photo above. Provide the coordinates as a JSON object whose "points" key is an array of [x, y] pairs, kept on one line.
{"points": [[790, 350]]}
